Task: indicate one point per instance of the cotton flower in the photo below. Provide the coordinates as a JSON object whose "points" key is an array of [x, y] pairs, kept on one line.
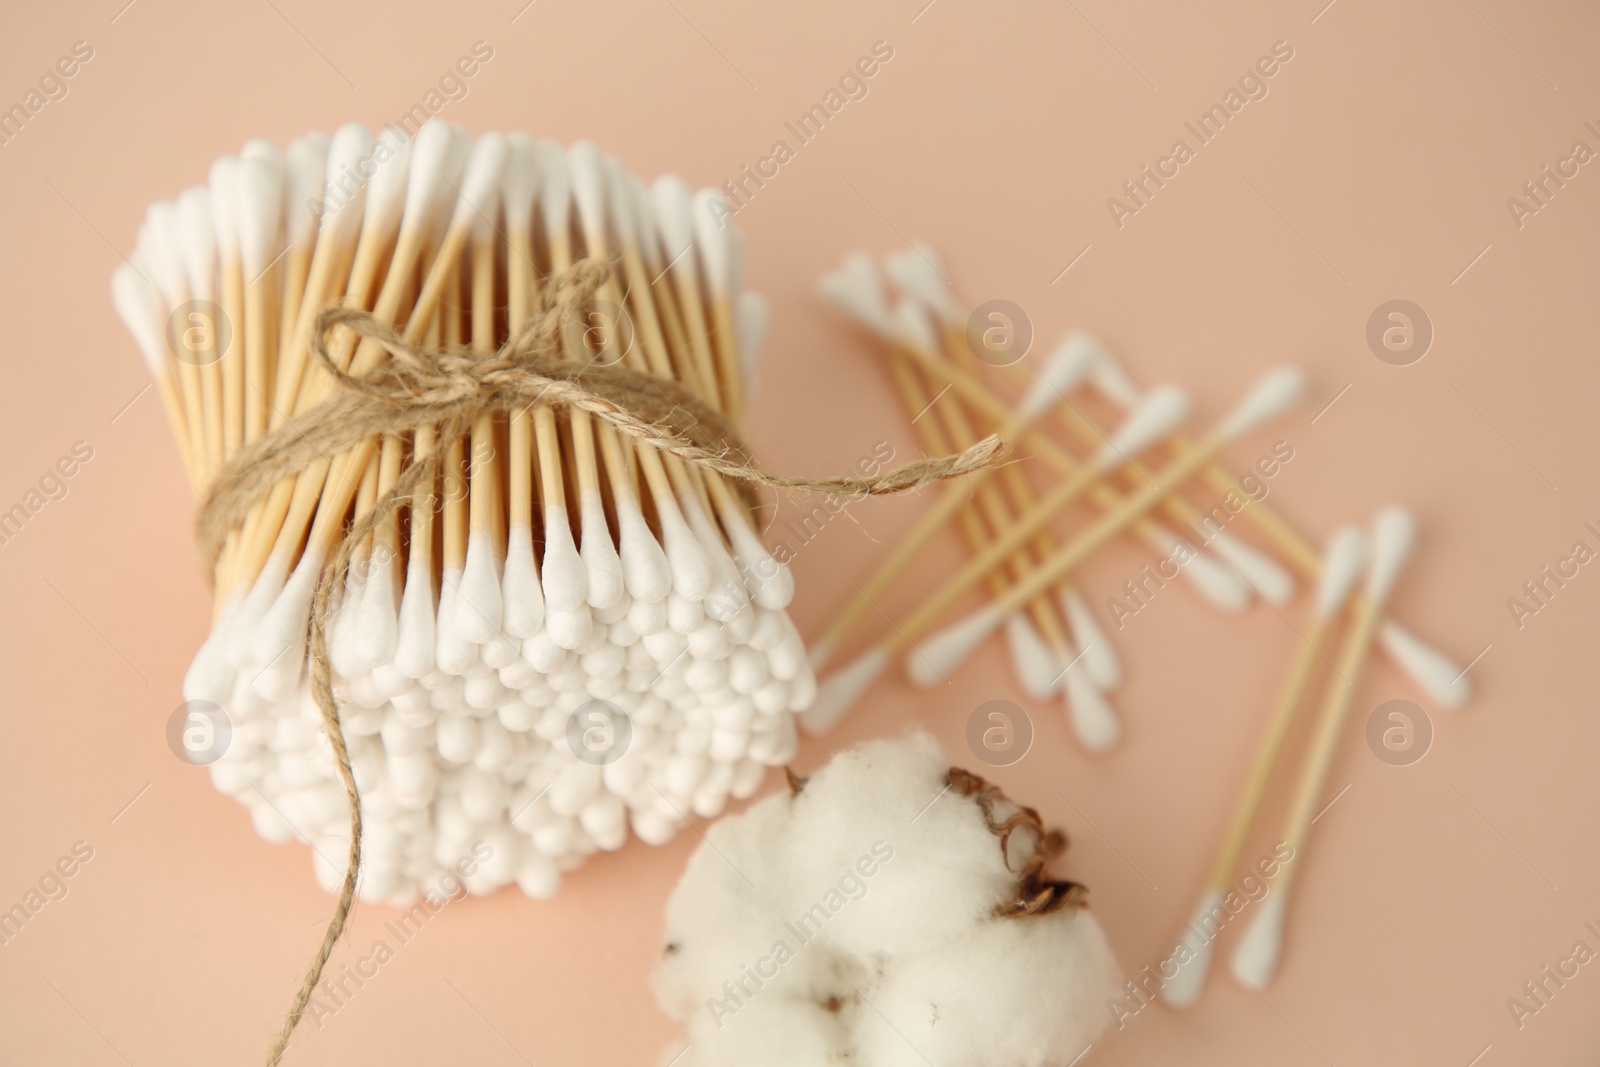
{"points": [[888, 911]]}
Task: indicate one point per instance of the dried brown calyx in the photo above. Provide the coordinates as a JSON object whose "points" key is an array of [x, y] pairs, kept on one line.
{"points": [[1026, 845]]}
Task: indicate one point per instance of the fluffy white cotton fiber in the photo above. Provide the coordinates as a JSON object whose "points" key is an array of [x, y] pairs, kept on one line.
{"points": [[872, 917]]}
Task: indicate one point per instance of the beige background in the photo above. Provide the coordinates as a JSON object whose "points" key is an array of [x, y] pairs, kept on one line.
{"points": [[1378, 167]]}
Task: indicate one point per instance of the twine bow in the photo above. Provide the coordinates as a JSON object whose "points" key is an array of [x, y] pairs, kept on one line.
{"points": [[448, 389]]}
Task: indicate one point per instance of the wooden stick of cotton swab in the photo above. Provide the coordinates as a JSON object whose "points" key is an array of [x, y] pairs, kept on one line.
{"points": [[139, 306], [1255, 960], [1343, 563], [160, 249], [564, 576], [522, 598], [691, 566], [603, 580], [1274, 393], [305, 167], [260, 189], [641, 562]]}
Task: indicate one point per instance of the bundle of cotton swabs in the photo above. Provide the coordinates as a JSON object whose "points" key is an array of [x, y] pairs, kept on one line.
{"points": [[1057, 644], [566, 636]]}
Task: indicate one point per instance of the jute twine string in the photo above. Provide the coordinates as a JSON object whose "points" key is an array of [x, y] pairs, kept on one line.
{"points": [[448, 390]]}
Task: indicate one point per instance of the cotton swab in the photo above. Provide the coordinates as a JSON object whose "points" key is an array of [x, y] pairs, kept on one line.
{"points": [[1255, 961], [1343, 562]]}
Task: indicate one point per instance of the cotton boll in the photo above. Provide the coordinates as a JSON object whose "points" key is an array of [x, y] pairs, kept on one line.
{"points": [[773, 1031], [1025, 992], [937, 867], [723, 913]]}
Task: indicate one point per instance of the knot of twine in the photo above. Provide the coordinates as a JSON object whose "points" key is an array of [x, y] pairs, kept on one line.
{"points": [[448, 389]]}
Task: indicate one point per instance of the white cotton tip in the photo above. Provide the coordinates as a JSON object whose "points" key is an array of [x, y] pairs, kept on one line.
{"points": [[939, 654], [1094, 644], [209, 677], [385, 190], [1271, 396], [914, 325], [670, 198], [453, 653], [569, 629], [1111, 379], [751, 317], [1183, 989], [821, 650], [1394, 534], [588, 186], [770, 583], [691, 566], [341, 654], [519, 184], [377, 624], [1222, 588], [738, 260], [284, 624], [260, 192], [159, 239], [480, 185], [478, 605], [1255, 960], [197, 233], [562, 573], [839, 691], [1269, 578], [239, 646], [433, 152], [601, 564], [1156, 417], [521, 598], [1094, 720], [142, 312], [1063, 372], [414, 641], [1343, 562], [1433, 672], [916, 270], [713, 240], [645, 571], [555, 187], [849, 295], [1038, 666], [304, 169], [223, 181]]}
